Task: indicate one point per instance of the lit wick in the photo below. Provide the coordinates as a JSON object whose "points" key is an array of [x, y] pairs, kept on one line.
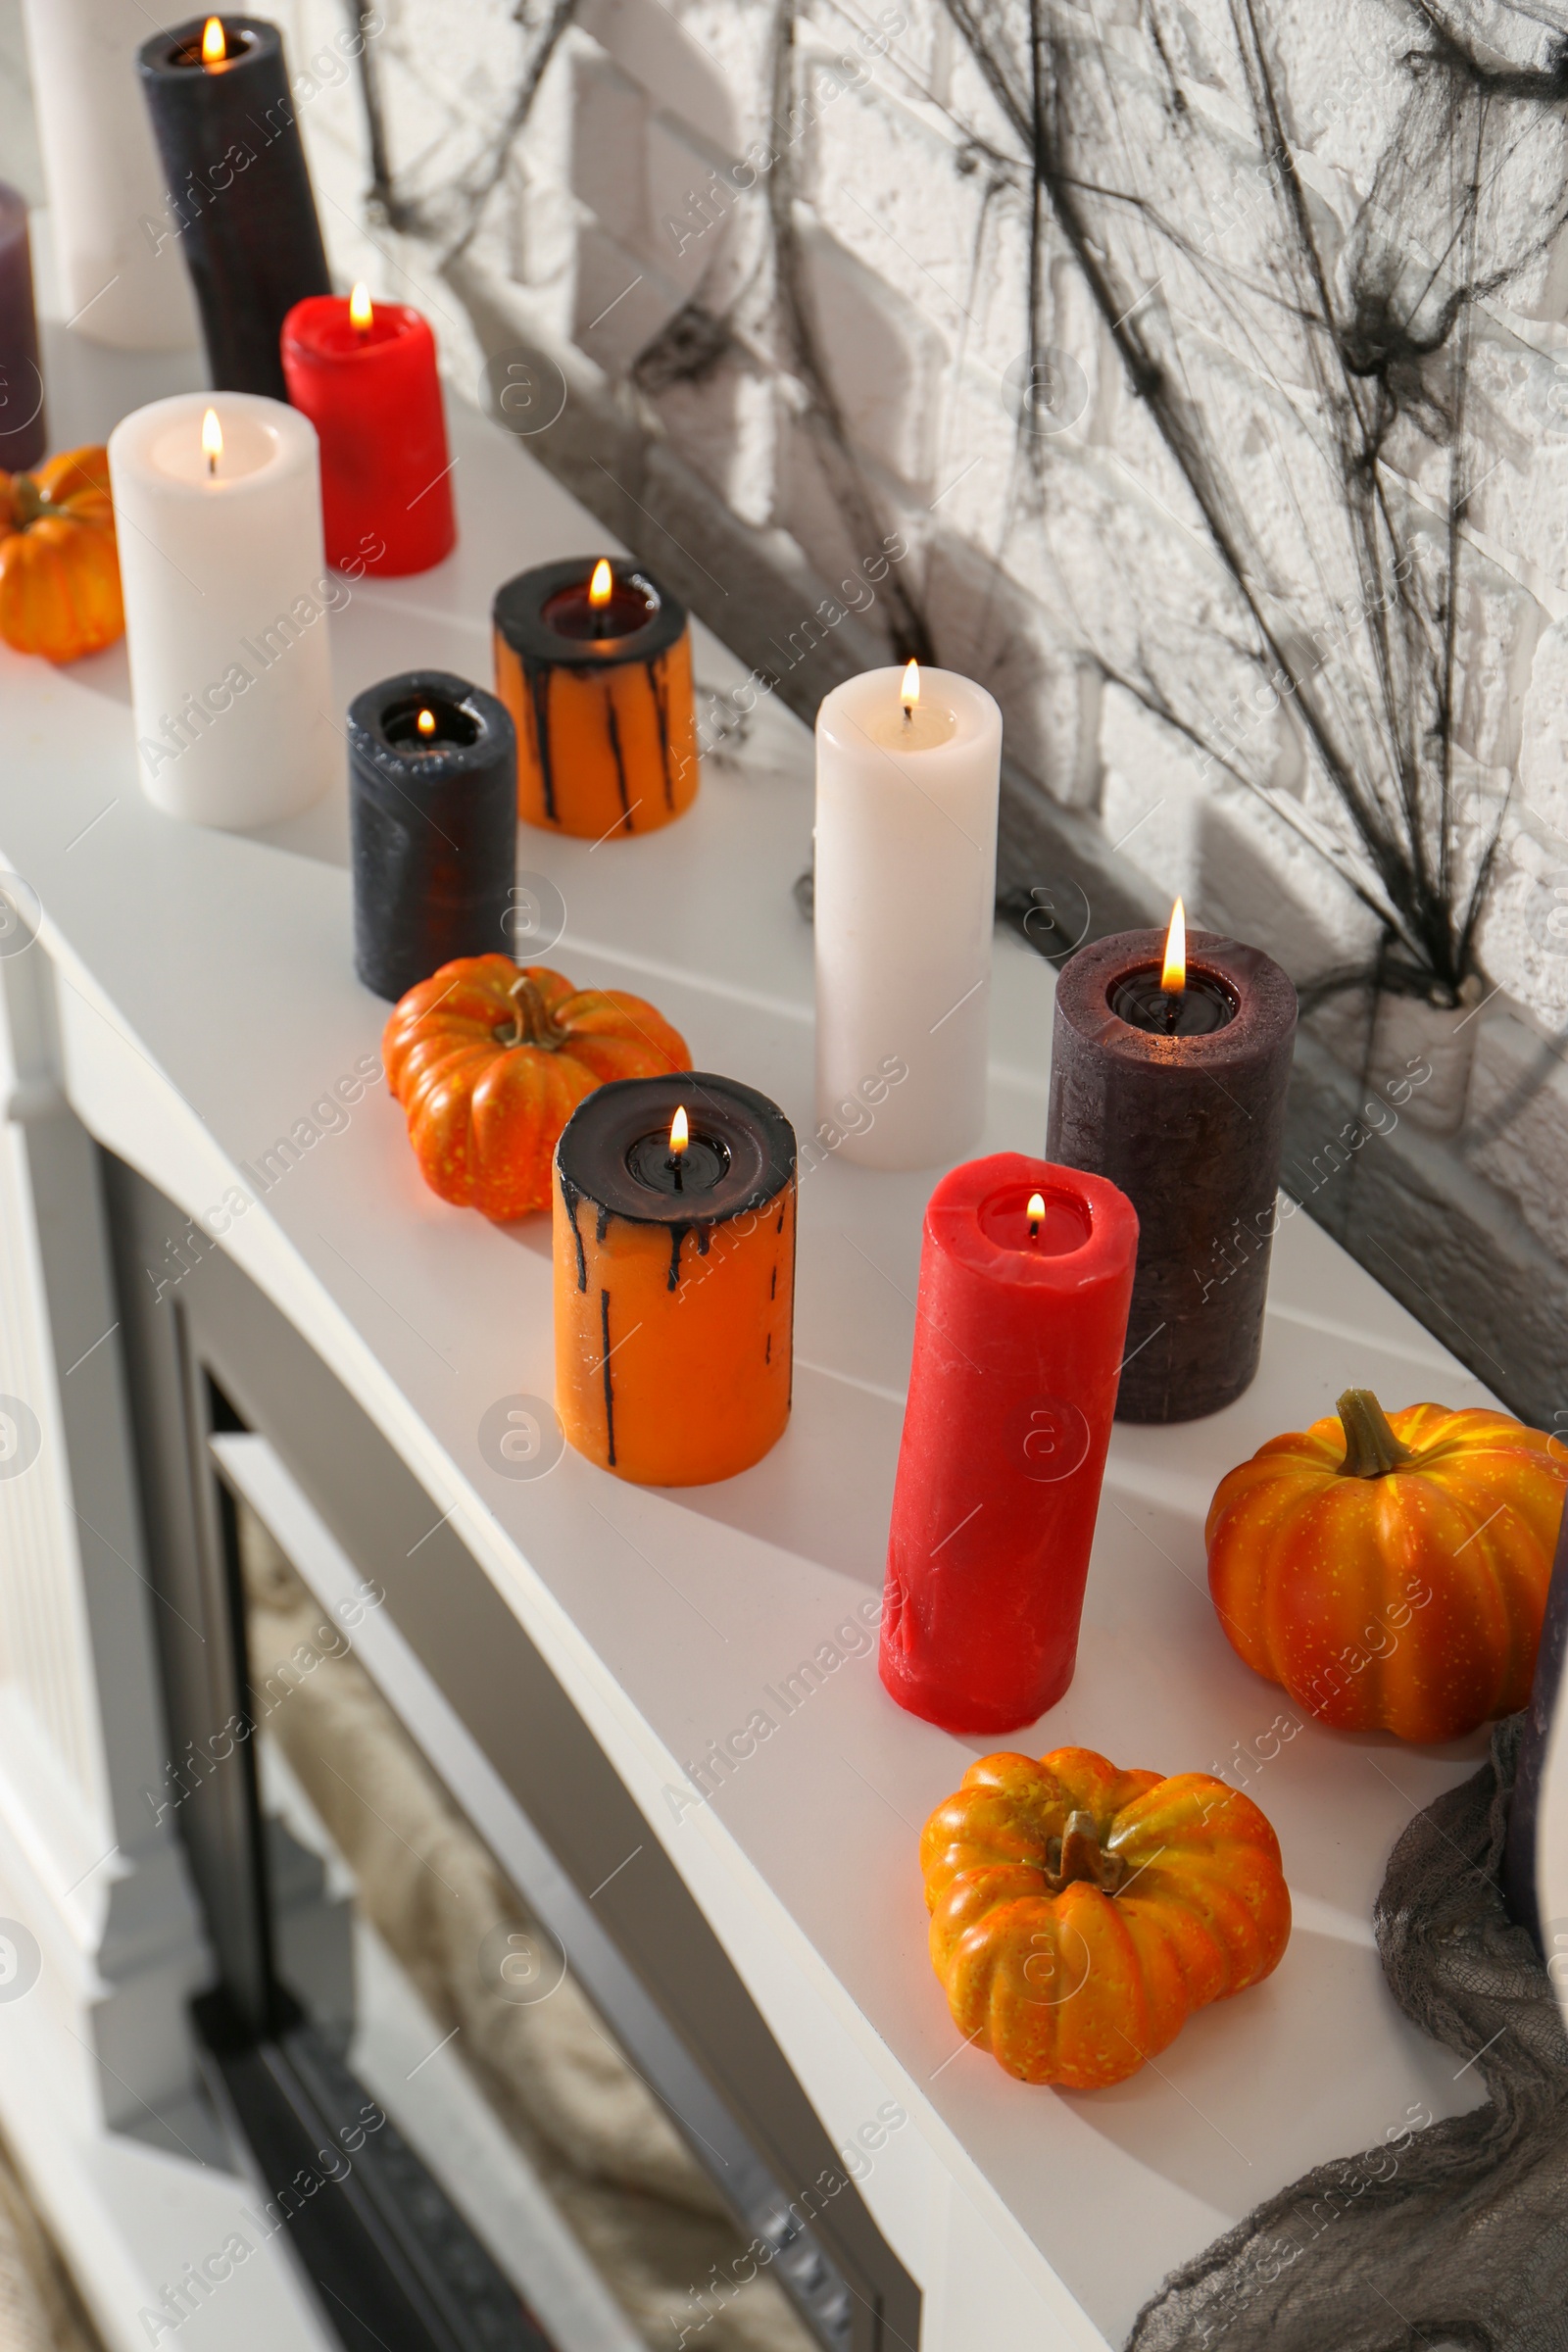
{"points": [[910, 691], [211, 430], [1036, 1214], [426, 722], [1173, 971], [360, 312], [215, 47], [679, 1133], [599, 589]]}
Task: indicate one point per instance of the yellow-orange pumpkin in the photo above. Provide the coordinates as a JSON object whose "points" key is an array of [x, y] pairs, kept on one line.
{"points": [[1392, 1572], [490, 1062], [59, 567], [1080, 1914]]}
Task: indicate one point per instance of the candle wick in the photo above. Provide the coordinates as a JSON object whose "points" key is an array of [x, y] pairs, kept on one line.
{"points": [[673, 1164]]}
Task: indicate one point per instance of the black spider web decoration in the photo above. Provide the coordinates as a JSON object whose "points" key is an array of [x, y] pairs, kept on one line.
{"points": [[1310, 385]]}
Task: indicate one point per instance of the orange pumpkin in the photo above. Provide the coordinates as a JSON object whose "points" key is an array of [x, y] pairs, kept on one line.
{"points": [[1392, 1572], [59, 567], [489, 1063], [1080, 1914]]}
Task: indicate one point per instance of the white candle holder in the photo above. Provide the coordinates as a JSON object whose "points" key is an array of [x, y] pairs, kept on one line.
{"points": [[226, 595]]}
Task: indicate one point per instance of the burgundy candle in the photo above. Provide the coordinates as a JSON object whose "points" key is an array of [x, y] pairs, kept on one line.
{"points": [[1169, 1076], [23, 436], [1025, 1276]]}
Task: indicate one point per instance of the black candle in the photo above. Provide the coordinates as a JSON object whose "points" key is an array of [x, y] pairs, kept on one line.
{"points": [[231, 154], [1524, 1807], [594, 661], [1176, 1093], [432, 790], [675, 1249], [22, 435]]}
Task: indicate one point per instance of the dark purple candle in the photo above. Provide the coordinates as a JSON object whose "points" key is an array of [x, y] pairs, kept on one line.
{"points": [[1176, 1093], [23, 436]]}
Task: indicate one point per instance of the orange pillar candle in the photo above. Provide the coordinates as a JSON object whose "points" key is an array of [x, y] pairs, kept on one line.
{"points": [[594, 661], [675, 1257]]}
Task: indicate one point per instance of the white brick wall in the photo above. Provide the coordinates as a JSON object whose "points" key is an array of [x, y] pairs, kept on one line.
{"points": [[912, 222]]}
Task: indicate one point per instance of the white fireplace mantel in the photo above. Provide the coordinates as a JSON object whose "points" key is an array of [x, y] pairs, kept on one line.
{"points": [[188, 998]]}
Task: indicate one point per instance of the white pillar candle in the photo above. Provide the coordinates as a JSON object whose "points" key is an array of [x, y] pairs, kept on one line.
{"points": [[226, 597], [906, 889], [122, 278]]}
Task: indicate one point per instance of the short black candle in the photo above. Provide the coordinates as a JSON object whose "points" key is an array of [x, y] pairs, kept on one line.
{"points": [[231, 148], [1197, 1010], [1189, 1123], [701, 1164], [450, 727], [434, 824]]}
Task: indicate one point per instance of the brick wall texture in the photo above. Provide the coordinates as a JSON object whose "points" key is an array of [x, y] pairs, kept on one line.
{"points": [[814, 293]]}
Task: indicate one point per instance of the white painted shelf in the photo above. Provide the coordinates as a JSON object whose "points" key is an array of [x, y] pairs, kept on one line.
{"points": [[208, 1000]]}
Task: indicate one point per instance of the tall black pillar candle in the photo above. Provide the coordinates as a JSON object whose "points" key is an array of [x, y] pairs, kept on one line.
{"points": [[1521, 1854], [433, 814], [239, 192], [1177, 1095]]}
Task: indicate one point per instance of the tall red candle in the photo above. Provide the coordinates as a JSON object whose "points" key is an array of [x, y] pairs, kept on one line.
{"points": [[1026, 1276], [365, 376]]}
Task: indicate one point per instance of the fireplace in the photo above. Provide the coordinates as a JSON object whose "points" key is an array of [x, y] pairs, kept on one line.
{"points": [[491, 2075]]}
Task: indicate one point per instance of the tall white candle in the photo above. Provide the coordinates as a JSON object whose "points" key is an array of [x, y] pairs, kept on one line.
{"points": [[226, 597], [122, 278], [906, 888]]}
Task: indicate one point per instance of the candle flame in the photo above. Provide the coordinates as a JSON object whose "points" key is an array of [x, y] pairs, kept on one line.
{"points": [[599, 591], [360, 311], [212, 434], [1173, 971], [426, 722], [679, 1132], [910, 691], [1037, 1215], [215, 47]]}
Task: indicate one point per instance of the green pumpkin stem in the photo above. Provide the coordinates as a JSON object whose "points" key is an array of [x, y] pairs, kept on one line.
{"points": [[1371, 1449], [531, 1022]]}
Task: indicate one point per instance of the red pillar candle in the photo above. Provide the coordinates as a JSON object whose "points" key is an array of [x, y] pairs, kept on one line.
{"points": [[365, 376], [1025, 1280]]}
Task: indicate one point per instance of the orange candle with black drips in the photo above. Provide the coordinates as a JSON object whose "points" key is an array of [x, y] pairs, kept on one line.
{"points": [[674, 1277], [594, 661]]}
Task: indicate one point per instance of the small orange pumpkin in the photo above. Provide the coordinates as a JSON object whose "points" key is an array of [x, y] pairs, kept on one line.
{"points": [[1080, 1914], [1392, 1572], [59, 565], [489, 1063]]}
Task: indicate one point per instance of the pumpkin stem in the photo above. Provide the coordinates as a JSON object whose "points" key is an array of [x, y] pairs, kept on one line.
{"points": [[28, 501], [1371, 1449], [532, 1023], [1079, 1854]]}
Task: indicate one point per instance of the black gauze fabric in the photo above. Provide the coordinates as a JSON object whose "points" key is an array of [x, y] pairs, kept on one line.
{"points": [[1451, 2235]]}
